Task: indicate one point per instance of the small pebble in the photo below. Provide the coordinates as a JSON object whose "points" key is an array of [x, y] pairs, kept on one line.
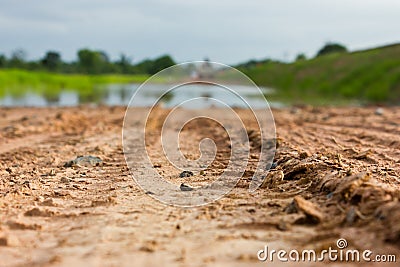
{"points": [[65, 180], [274, 165], [186, 174], [184, 187], [283, 226], [379, 111], [86, 161]]}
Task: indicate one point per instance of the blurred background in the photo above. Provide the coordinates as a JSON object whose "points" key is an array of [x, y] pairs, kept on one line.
{"points": [[66, 53]]}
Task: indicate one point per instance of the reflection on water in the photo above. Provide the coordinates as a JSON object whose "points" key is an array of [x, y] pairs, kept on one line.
{"points": [[117, 95]]}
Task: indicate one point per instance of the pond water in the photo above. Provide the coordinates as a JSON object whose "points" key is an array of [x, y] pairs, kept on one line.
{"points": [[120, 95]]}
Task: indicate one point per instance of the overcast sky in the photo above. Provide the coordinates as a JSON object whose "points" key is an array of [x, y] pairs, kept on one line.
{"points": [[226, 31]]}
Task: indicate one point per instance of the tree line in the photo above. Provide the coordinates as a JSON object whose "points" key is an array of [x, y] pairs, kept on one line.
{"points": [[328, 48], [98, 62], [89, 62]]}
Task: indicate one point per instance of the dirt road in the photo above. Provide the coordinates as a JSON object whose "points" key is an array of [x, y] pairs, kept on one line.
{"points": [[335, 175]]}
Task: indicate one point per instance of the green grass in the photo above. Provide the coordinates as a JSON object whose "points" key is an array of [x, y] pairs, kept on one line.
{"points": [[369, 76], [16, 82]]}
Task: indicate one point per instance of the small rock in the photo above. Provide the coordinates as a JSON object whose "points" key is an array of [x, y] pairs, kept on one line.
{"points": [[36, 212], [254, 156], [274, 165], [86, 161], [27, 184], [184, 187], [363, 154], [104, 202], [59, 116], [304, 155], [65, 180], [61, 193], [283, 226], [3, 241], [11, 241], [294, 110], [186, 174], [312, 212], [251, 210], [379, 111], [47, 202], [15, 225], [149, 246]]}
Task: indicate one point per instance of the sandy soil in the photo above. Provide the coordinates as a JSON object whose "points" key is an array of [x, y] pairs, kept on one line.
{"points": [[336, 175]]}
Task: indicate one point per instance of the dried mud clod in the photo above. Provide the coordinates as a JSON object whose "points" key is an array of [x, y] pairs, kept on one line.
{"points": [[299, 164], [389, 214], [36, 212], [297, 169], [362, 200], [254, 138], [312, 213], [272, 179], [16, 225], [358, 189], [104, 202], [348, 187]]}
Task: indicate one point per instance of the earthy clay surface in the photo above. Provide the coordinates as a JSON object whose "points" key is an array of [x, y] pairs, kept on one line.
{"points": [[336, 175]]}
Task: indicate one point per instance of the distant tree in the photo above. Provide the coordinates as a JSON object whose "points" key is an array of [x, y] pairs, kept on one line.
{"points": [[32, 65], [252, 63], [331, 48], [301, 57], [124, 64], [3, 61], [144, 66], [52, 61], [92, 62], [105, 64], [18, 58], [249, 64], [161, 63], [104, 56], [87, 60], [72, 67]]}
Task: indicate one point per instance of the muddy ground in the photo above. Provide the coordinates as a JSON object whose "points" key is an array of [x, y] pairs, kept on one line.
{"points": [[335, 175]]}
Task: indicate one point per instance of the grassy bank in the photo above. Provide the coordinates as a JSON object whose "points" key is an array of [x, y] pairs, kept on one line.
{"points": [[16, 82], [371, 76]]}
